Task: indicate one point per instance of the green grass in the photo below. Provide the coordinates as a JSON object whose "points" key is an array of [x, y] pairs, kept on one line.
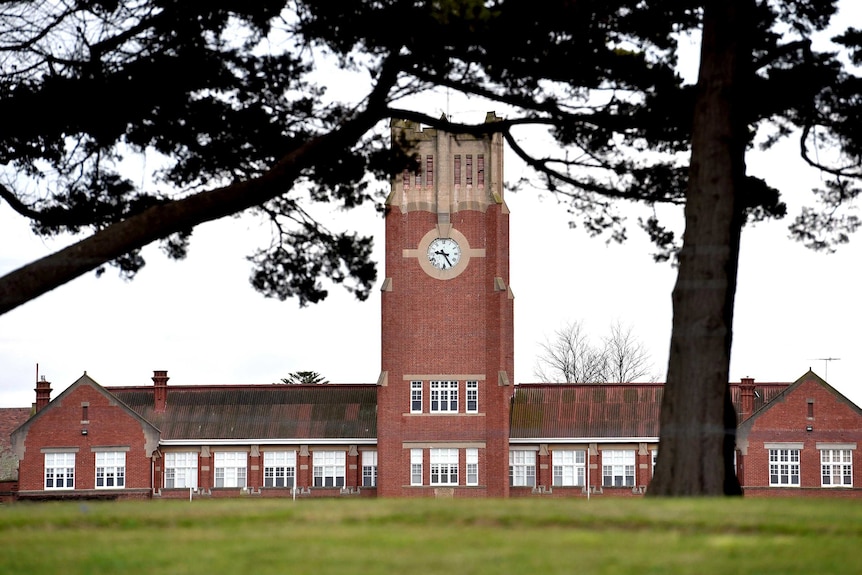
{"points": [[423, 537]]}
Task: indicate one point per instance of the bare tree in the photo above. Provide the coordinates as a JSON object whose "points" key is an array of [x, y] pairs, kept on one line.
{"points": [[570, 357], [626, 357]]}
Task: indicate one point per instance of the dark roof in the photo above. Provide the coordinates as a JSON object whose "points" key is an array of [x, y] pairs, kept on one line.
{"points": [[11, 418], [544, 411], [332, 411]]}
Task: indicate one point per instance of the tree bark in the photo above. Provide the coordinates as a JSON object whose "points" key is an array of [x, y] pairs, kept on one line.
{"points": [[698, 422]]}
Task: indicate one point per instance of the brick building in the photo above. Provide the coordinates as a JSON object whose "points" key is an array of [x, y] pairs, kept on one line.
{"points": [[444, 419]]}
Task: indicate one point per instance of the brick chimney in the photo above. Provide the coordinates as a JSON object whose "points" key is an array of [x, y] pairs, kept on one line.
{"points": [[160, 396], [43, 393], [746, 398]]}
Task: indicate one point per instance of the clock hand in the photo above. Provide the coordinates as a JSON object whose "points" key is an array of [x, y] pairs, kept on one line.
{"points": [[445, 256]]}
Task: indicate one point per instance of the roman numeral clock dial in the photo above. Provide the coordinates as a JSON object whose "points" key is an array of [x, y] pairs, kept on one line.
{"points": [[444, 253]]}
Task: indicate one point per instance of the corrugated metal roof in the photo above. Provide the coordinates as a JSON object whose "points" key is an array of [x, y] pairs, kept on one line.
{"points": [[333, 411], [343, 411], [586, 410], [764, 393]]}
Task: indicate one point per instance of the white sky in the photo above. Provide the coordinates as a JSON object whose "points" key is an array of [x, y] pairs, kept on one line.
{"points": [[201, 320]]}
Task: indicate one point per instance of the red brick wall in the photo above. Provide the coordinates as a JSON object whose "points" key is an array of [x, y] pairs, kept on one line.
{"points": [[461, 326], [8, 490]]}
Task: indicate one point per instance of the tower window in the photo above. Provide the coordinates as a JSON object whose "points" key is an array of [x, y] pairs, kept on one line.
{"points": [[429, 171], [472, 459], [457, 169], [415, 397], [480, 170], [405, 178], [472, 396], [415, 467], [469, 168], [444, 466], [444, 396]]}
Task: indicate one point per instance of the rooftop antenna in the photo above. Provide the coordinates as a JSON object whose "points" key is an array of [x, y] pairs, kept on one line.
{"points": [[825, 361]]}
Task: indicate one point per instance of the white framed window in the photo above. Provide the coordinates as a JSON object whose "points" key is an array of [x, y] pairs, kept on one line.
{"points": [[279, 468], [230, 468], [522, 468], [568, 467], [369, 469], [110, 469], [784, 468], [654, 459], [60, 470], [836, 467], [472, 397], [415, 397], [181, 469], [329, 468], [415, 467], [472, 461], [444, 467], [618, 468], [444, 396]]}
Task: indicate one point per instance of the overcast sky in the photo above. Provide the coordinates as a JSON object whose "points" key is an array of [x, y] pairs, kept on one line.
{"points": [[200, 319]]}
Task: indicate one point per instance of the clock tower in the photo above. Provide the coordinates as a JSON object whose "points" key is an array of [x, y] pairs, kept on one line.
{"points": [[447, 320]]}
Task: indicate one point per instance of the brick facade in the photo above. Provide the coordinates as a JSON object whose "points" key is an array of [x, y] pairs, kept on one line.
{"points": [[446, 326]]}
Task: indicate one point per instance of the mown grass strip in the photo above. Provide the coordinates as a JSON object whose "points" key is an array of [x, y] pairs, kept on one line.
{"points": [[603, 536]]}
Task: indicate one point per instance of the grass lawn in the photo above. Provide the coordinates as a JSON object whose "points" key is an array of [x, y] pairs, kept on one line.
{"points": [[423, 537]]}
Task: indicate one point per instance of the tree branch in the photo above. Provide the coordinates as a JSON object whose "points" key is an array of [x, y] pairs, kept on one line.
{"points": [[45, 274]]}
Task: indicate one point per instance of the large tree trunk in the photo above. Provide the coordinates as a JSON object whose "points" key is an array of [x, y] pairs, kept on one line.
{"points": [[698, 422]]}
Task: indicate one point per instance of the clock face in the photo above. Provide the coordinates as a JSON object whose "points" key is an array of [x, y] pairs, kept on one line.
{"points": [[444, 253]]}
